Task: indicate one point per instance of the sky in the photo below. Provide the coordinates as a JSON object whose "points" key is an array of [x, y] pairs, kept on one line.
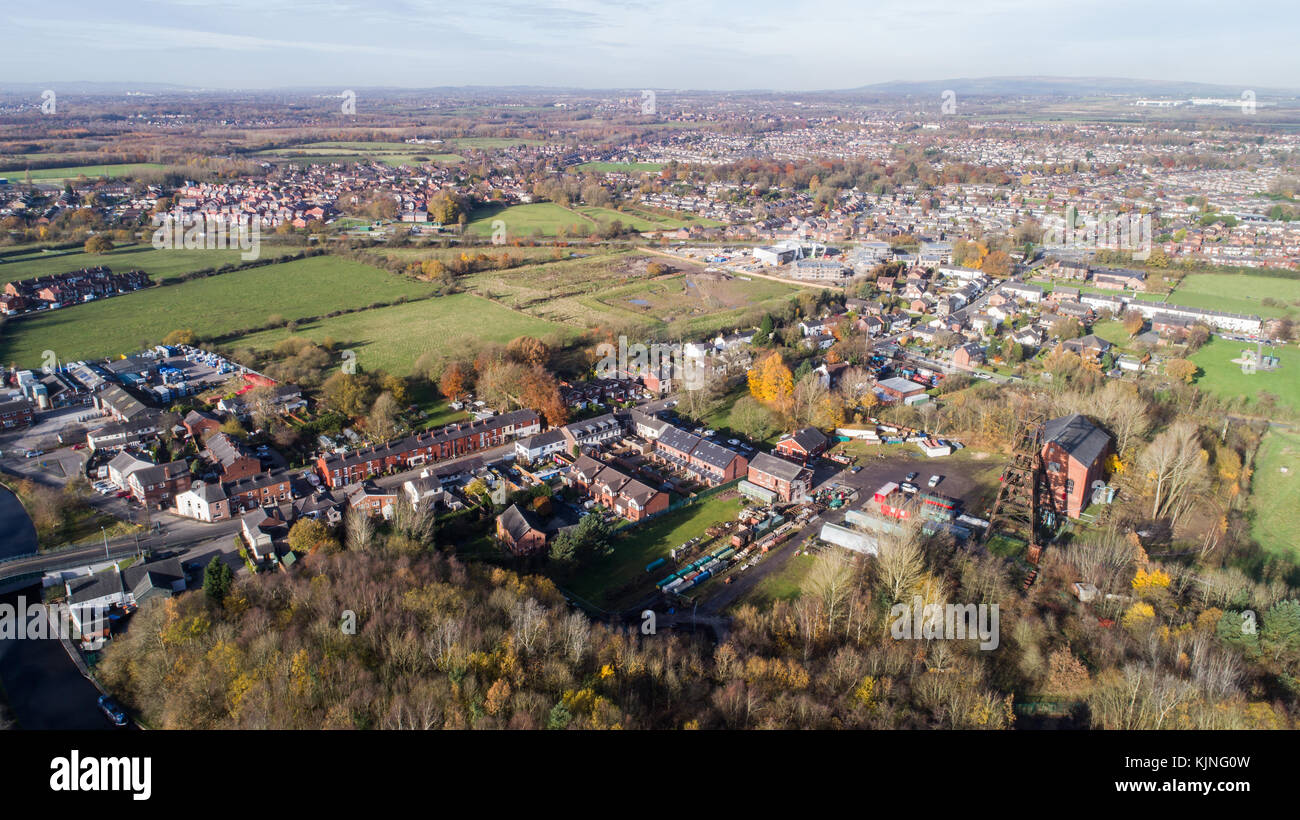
{"points": [[688, 44]]}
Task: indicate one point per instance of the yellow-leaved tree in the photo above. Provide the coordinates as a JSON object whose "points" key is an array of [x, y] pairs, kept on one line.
{"points": [[771, 382]]}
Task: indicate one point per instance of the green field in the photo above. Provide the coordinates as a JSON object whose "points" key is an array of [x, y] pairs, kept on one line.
{"points": [[598, 291], [1221, 377], [393, 338], [640, 544], [161, 265], [695, 300], [1112, 331], [1275, 495], [210, 306], [636, 220], [615, 167], [524, 221], [19, 175], [785, 585], [1239, 293]]}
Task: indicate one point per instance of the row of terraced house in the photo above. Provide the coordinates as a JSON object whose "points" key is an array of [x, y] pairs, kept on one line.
{"points": [[338, 469], [56, 290]]}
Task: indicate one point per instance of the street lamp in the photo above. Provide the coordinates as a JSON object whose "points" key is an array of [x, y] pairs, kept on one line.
{"points": [[104, 533]]}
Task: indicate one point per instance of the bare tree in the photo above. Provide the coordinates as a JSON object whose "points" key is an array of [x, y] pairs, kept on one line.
{"points": [[360, 530], [831, 580], [1175, 464]]}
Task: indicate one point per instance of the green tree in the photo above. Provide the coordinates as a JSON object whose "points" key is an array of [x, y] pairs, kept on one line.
{"points": [[217, 579]]}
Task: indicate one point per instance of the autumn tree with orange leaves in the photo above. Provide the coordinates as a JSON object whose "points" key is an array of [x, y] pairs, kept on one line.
{"points": [[771, 382], [456, 381]]}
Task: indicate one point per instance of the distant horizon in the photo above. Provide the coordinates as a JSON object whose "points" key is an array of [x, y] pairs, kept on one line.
{"points": [[896, 87], [717, 45]]}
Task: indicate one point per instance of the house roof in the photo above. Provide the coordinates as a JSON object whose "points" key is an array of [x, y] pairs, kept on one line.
{"points": [[715, 455], [773, 466], [518, 522], [901, 385], [1079, 437], [159, 575], [678, 439], [90, 587], [809, 438]]}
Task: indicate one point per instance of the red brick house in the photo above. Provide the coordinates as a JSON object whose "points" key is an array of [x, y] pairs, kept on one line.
{"points": [[785, 478], [257, 491], [444, 443], [802, 445], [199, 424], [614, 490], [968, 355], [709, 462], [520, 532], [158, 485], [1074, 452], [16, 413]]}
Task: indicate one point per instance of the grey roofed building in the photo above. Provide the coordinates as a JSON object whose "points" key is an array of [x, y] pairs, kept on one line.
{"points": [[227, 449], [773, 466], [586, 468], [319, 504], [102, 584], [679, 440], [900, 385], [154, 579], [209, 491], [713, 454], [121, 403], [518, 522], [1078, 436], [646, 425], [600, 428], [809, 438]]}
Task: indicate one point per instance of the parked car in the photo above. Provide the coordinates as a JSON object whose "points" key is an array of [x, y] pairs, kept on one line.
{"points": [[908, 487], [33, 453], [855, 469], [911, 476], [112, 710], [934, 481]]}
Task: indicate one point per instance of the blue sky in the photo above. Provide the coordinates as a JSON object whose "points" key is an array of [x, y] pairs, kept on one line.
{"points": [[715, 44]]}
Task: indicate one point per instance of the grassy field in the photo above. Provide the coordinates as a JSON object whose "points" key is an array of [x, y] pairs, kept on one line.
{"points": [[161, 265], [1112, 331], [785, 585], [210, 306], [393, 338], [1275, 495], [695, 293], [638, 545], [597, 291], [534, 255], [1239, 293], [1221, 377], [544, 218], [17, 175]]}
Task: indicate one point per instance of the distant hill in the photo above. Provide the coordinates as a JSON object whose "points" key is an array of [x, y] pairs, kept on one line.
{"points": [[1061, 86]]}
